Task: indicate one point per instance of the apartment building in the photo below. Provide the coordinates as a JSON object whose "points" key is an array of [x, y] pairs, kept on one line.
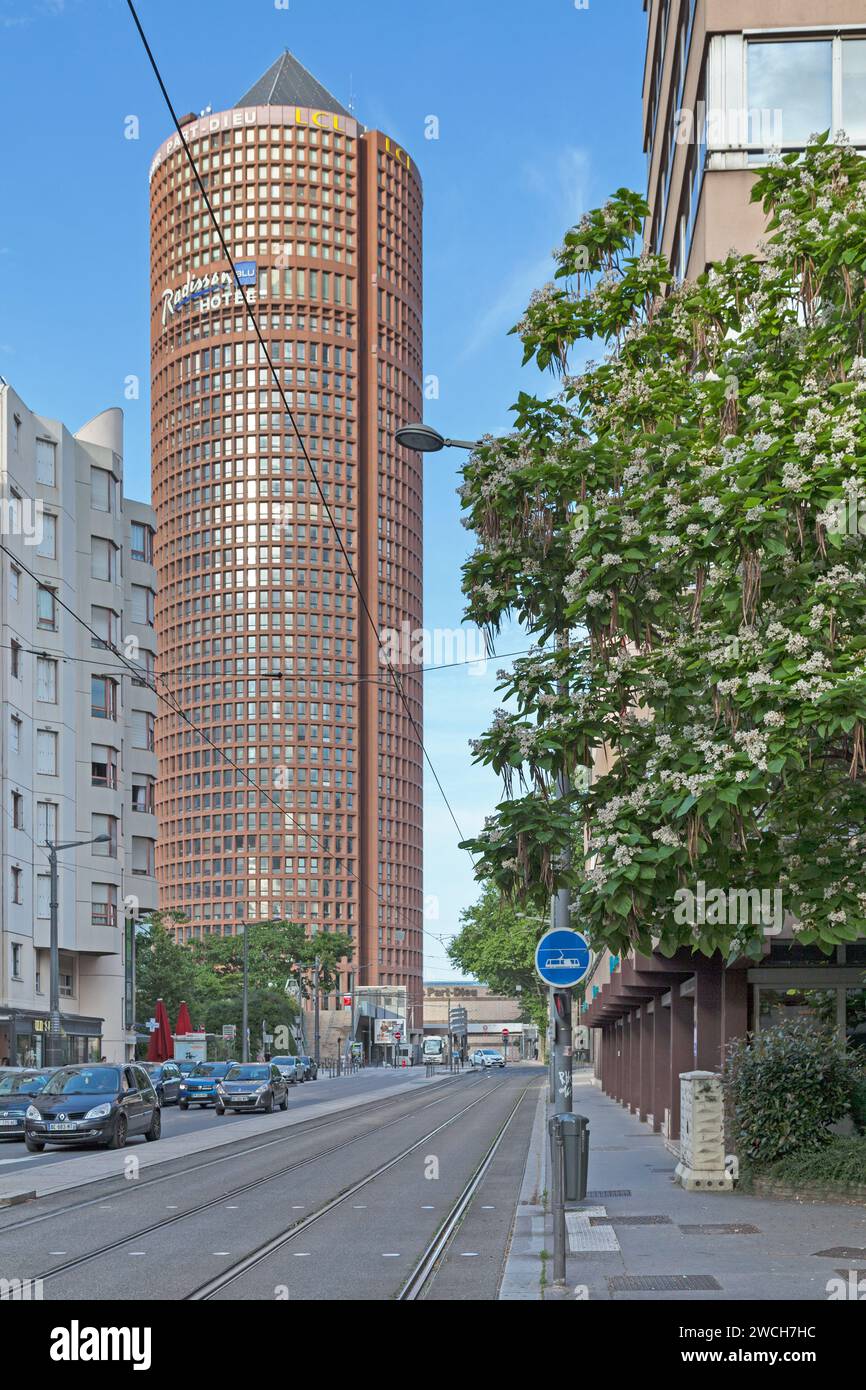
{"points": [[726, 82], [78, 754]]}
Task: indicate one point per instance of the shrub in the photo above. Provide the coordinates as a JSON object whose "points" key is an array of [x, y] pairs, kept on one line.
{"points": [[841, 1162], [784, 1087]]}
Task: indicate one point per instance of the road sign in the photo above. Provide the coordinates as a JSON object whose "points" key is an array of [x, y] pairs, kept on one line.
{"points": [[347, 1001], [230, 1032], [505, 1032], [562, 958]]}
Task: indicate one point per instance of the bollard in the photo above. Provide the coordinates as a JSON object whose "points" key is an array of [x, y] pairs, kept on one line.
{"points": [[557, 1170]]}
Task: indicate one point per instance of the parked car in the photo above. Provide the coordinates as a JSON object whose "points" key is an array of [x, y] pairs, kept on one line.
{"points": [[166, 1078], [200, 1087], [186, 1067], [101, 1104], [486, 1057], [16, 1089], [311, 1071], [291, 1068], [252, 1086]]}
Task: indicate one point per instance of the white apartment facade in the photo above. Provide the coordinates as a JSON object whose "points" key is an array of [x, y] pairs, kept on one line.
{"points": [[77, 755]]}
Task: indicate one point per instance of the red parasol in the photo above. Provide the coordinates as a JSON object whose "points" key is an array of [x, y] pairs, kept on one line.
{"points": [[161, 1045], [184, 1022]]}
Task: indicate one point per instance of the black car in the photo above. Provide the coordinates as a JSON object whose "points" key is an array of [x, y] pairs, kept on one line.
{"points": [[252, 1086], [311, 1071], [200, 1087], [166, 1078], [16, 1090], [101, 1104]]}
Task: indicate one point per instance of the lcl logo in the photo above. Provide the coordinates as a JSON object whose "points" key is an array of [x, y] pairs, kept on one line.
{"points": [[397, 152]]}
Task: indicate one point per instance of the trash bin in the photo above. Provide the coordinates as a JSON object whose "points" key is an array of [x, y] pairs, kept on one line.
{"points": [[575, 1138]]}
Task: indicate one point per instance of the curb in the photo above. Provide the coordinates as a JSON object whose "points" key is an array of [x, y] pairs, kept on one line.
{"points": [[14, 1199]]}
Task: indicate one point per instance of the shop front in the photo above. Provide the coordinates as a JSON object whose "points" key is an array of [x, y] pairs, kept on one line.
{"points": [[24, 1039]]}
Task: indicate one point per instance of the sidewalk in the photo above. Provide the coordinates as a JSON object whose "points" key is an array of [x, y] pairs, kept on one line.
{"points": [[73, 1173], [638, 1236]]}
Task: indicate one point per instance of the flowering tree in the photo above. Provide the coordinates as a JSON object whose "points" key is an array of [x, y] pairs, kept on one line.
{"points": [[684, 516]]}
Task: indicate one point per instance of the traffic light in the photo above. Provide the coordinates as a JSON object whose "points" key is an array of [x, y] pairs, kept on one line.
{"points": [[562, 1012]]}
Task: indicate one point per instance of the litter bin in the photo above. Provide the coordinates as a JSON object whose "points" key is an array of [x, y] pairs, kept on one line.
{"points": [[575, 1138]]}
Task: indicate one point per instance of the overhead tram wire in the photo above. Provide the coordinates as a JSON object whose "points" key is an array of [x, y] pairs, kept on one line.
{"points": [[290, 413]]}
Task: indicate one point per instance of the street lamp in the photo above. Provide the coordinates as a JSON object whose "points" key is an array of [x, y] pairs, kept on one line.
{"points": [[55, 1043], [423, 439]]}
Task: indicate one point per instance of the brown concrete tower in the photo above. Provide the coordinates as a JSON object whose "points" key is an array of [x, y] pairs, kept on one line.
{"points": [[263, 639]]}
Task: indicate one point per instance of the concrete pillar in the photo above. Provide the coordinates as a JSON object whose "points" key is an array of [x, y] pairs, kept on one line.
{"points": [[647, 1028], [633, 1061], [682, 1056], [708, 1017], [735, 1006], [661, 1061], [702, 1145]]}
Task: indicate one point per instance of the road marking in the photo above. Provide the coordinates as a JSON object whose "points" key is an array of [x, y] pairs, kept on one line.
{"points": [[229, 1207], [390, 1254], [138, 1252], [172, 1208], [222, 1252], [488, 1208], [468, 1254], [428, 1208], [359, 1207], [301, 1254], [57, 1252]]}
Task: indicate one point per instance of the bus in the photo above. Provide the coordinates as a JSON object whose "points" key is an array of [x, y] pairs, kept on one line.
{"points": [[436, 1050]]}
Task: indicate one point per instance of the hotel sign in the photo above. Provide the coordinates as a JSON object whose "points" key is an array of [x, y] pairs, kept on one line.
{"points": [[246, 116], [206, 288]]}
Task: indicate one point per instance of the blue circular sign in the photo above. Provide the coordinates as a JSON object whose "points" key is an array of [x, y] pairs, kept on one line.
{"points": [[562, 958]]}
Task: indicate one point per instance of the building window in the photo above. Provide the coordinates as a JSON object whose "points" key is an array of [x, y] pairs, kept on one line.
{"points": [[17, 811], [67, 977], [142, 795], [46, 822], [104, 624], [46, 608], [15, 733], [101, 490], [797, 87], [105, 825], [46, 462], [47, 543], [103, 766], [141, 547], [17, 960], [15, 659], [43, 896], [46, 680], [46, 752], [142, 605], [103, 905], [103, 697], [17, 882], [14, 582], [103, 559], [854, 89], [142, 855], [143, 730]]}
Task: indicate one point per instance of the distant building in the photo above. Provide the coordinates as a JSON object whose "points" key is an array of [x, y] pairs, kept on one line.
{"points": [[77, 729], [487, 1014]]}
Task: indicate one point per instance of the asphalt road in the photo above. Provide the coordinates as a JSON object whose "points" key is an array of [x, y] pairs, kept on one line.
{"points": [[343, 1207]]}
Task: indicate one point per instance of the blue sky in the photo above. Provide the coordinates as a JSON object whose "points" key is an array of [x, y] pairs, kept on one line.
{"points": [[538, 109]]}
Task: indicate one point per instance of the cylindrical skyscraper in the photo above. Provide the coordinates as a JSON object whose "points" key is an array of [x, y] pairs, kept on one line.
{"points": [[263, 641]]}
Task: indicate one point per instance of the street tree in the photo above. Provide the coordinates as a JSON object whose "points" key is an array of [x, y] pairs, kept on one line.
{"points": [[681, 529]]}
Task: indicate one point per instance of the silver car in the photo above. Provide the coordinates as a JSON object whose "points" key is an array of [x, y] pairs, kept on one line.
{"points": [[291, 1069]]}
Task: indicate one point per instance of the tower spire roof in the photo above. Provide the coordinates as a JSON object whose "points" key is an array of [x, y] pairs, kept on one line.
{"points": [[288, 83]]}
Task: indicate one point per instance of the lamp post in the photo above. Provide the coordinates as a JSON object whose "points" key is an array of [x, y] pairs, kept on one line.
{"points": [[425, 440], [55, 1042]]}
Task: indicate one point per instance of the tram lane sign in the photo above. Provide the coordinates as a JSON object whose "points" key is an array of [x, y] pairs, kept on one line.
{"points": [[562, 958]]}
